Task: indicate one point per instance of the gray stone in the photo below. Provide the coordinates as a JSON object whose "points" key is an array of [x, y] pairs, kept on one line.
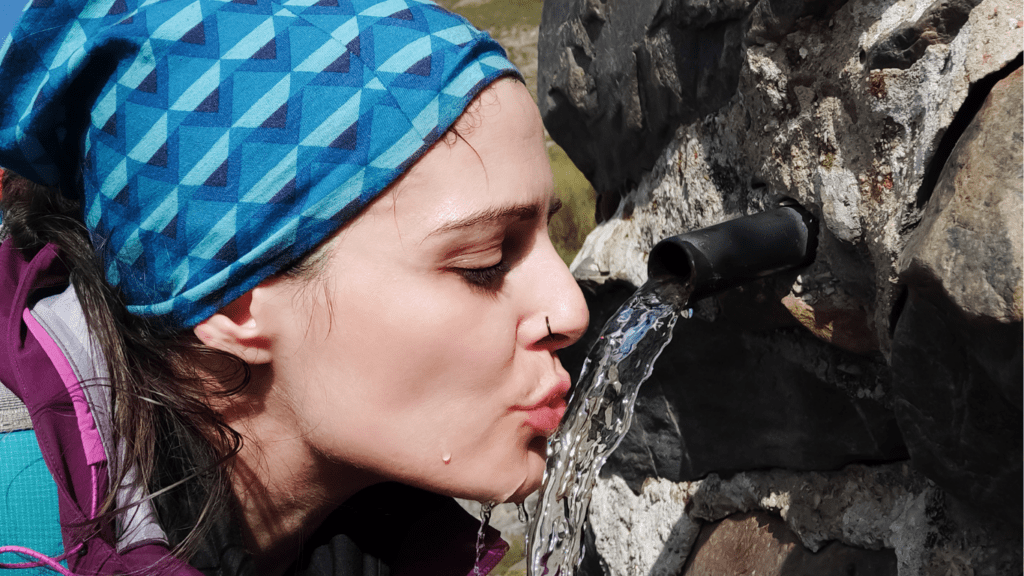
{"points": [[957, 345], [851, 296], [958, 394], [809, 120], [891, 509], [939, 24], [912, 308], [840, 203], [968, 246], [646, 534], [760, 543], [771, 20], [726, 398], [616, 78]]}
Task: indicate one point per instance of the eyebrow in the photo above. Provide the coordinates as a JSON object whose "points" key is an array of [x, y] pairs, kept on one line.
{"points": [[497, 214]]}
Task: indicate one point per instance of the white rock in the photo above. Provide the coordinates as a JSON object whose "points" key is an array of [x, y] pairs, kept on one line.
{"points": [[643, 535]]}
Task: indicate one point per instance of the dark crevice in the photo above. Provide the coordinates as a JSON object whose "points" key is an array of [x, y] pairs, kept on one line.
{"points": [[772, 20], [643, 63], [968, 110], [897, 309], [593, 23], [579, 55], [938, 25]]}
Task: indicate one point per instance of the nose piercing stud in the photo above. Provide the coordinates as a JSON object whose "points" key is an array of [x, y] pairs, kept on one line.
{"points": [[548, 322]]}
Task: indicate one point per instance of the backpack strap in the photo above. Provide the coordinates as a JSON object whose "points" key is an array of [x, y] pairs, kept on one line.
{"points": [[67, 341]]}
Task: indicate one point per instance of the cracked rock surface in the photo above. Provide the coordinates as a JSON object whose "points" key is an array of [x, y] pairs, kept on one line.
{"points": [[897, 124], [917, 528]]}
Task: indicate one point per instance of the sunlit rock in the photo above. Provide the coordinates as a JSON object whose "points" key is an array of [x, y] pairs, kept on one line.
{"points": [[957, 345], [687, 113]]}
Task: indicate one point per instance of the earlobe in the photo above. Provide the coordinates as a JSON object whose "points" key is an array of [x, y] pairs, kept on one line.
{"points": [[234, 330]]}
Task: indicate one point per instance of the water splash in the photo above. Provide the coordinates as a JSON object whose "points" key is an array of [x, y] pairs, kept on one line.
{"points": [[485, 518], [598, 416], [524, 516]]}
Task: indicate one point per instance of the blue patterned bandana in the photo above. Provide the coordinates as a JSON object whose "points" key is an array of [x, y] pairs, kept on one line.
{"points": [[212, 143]]}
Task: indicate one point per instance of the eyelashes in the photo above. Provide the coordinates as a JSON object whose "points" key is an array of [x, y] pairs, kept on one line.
{"points": [[489, 277]]}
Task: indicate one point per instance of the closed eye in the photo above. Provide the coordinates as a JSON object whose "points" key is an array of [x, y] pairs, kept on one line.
{"points": [[489, 278]]}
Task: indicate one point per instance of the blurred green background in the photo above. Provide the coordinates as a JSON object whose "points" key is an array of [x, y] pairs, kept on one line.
{"points": [[514, 23]]}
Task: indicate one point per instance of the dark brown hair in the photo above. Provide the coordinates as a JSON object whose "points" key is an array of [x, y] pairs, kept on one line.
{"points": [[160, 380]]}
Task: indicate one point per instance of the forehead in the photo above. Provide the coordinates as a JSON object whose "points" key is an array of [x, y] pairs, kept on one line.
{"points": [[493, 157]]}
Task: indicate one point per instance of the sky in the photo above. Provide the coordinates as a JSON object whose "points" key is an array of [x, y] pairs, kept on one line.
{"points": [[10, 10]]}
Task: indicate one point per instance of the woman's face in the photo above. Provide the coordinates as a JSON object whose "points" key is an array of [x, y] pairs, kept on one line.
{"points": [[425, 357]]}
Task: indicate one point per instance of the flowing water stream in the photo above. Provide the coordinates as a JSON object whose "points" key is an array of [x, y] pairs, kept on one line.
{"points": [[485, 517], [598, 416]]}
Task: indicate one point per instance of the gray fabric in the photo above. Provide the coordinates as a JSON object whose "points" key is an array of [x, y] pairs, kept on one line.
{"points": [[62, 318], [13, 414]]}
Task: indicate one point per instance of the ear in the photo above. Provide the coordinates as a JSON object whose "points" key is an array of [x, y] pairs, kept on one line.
{"points": [[234, 330]]}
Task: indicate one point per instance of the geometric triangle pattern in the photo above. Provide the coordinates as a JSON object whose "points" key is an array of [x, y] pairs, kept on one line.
{"points": [[212, 143]]}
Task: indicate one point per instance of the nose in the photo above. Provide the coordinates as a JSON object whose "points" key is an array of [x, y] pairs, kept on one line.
{"points": [[558, 314]]}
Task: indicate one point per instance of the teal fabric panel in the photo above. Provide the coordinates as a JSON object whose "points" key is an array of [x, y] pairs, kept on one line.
{"points": [[29, 515]]}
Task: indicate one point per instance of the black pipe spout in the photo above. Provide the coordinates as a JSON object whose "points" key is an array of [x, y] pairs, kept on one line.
{"points": [[732, 253]]}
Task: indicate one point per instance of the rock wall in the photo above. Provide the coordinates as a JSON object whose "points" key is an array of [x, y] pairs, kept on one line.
{"points": [[889, 368]]}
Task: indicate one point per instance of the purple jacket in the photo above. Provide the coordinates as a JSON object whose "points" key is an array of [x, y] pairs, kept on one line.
{"points": [[46, 355]]}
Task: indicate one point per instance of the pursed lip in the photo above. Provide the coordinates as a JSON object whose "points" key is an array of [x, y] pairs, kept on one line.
{"points": [[545, 415]]}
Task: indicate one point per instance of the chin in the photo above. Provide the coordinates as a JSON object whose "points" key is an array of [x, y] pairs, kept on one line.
{"points": [[535, 463]]}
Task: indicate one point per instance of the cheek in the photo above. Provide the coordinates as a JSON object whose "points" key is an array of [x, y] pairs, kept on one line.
{"points": [[417, 372], [417, 358], [425, 344]]}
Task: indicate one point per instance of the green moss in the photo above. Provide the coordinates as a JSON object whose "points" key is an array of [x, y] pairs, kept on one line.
{"points": [[495, 14], [516, 553], [570, 226]]}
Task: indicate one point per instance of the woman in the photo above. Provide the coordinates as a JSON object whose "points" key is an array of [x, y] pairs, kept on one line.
{"points": [[324, 301]]}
